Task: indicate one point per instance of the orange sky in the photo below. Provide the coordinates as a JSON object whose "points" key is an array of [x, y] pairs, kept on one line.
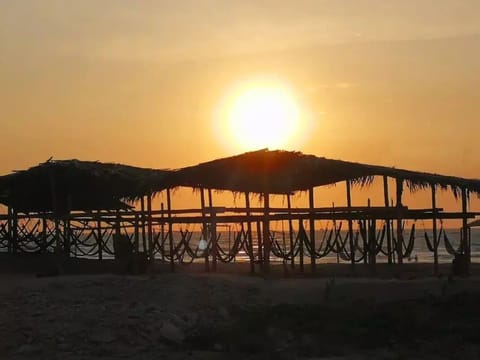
{"points": [[387, 82]]}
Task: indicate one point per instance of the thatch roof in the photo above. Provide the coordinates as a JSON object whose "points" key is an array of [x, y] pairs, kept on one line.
{"points": [[78, 185], [282, 172], [87, 185]]}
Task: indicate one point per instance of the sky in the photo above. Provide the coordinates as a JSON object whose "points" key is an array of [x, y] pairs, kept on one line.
{"points": [[386, 82]]}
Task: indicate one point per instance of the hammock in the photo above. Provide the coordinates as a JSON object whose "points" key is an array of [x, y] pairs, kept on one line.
{"points": [[449, 247]]}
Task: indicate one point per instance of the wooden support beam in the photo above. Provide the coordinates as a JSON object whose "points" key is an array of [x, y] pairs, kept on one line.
{"points": [[465, 240], [290, 230], [162, 234], [204, 228], [213, 231], [372, 238], [136, 236], [311, 204], [301, 231], [434, 230], [266, 232], [14, 231], [99, 235], [249, 233], [387, 221], [170, 232], [259, 243], [350, 224], [399, 185], [142, 222], [151, 251], [10, 230]]}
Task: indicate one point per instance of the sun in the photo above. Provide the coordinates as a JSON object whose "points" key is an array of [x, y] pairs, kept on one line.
{"points": [[263, 117], [262, 112]]}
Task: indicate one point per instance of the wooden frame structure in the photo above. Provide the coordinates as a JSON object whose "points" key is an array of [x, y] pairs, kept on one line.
{"points": [[81, 217]]}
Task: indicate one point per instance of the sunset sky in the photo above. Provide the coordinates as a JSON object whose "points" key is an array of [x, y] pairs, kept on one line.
{"points": [[393, 83]]}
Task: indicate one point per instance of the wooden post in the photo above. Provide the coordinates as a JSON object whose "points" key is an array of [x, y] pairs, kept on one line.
{"points": [[387, 220], [290, 231], [266, 231], [14, 231], [150, 229], [162, 232], [66, 228], [99, 235], [373, 245], [118, 231], [311, 205], [10, 230], [53, 194], [142, 222], [350, 224], [399, 183], [136, 237], [259, 244], [249, 233], [213, 231], [465, 244], [434, 230], [301, 230], [204, 228], [170, 231]]}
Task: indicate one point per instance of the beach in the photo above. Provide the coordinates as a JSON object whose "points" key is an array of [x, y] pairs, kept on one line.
{"points": [[220, 316]]}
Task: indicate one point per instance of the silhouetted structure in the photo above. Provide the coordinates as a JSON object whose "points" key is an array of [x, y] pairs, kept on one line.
{"points": [[81, 205]]}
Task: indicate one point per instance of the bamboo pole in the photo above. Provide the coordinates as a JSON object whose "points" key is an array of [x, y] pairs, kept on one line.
{"points": [[213, 231], [311, 204], [465, 244], [99, 235], [434, 230], [14, 231], [373, 245], [387, 221], [204, 227], [350, 224], [142, 222], [170, 231], [66, 228], [162, 233], [399, 183], [150, 229], [290, 231], [136, 237], [301, 231], [10, 230], [259, 244], [266, 232], [249, 233]]}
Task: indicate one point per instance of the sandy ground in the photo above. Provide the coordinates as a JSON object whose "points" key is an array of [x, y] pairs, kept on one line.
{"points": [[206, 316]]}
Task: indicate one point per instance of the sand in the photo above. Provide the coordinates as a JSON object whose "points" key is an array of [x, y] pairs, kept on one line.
{"points": [[211, 316]]}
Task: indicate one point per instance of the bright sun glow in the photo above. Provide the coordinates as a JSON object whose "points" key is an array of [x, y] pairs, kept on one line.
{"points": [[262, 112], [264, 117]]}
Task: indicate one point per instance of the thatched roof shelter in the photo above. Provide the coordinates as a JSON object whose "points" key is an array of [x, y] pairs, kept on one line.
{"points": [[283, 172], [62, 185]]}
